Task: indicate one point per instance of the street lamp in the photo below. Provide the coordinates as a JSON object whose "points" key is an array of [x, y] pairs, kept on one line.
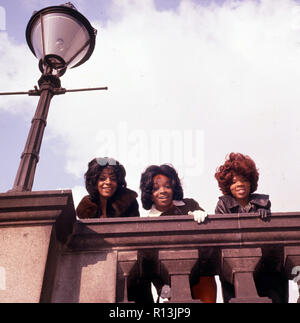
{"points": [[61, 38]]}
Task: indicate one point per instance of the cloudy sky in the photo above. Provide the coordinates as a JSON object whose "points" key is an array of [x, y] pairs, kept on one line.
{"points": [[189, 81]]}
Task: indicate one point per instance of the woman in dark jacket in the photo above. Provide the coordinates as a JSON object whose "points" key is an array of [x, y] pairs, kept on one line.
{"points": [[237, 179], [108, 194], [162, 195]]}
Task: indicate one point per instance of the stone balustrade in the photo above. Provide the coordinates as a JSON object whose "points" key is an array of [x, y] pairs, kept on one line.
{"points": [[50, 256]]}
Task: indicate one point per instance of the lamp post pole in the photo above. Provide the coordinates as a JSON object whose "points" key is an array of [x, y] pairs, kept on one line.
{"points": [[49, 85], [68, 45]]}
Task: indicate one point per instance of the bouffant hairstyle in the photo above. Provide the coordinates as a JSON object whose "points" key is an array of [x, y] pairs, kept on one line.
{"points": [[95, 168], [237, 164], [146, 183]]}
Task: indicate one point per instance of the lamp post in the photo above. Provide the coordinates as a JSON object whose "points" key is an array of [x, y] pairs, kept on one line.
{"points": [[61, 38]]}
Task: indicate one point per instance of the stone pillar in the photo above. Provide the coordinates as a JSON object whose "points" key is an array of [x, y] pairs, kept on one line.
{"points": [[292, 265], [86, 277], [126, 262], [27, 222], [238, 266], [179, 264]]}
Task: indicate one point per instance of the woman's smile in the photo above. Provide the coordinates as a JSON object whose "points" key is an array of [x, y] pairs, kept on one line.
{"points": [[240, 189]]}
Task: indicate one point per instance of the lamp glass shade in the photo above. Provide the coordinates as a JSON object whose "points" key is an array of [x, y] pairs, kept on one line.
{"points": [[61, 35]]}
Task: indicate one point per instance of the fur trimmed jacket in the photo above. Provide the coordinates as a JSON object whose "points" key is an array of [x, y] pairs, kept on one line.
{"points": [[122, 204]]}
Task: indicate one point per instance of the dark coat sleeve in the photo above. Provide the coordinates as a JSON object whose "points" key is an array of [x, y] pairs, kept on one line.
{"points": [[221, 208], [190, 205], [133, 210], [267, 206], [86, 208], [196, 206], [125, 204], [261, 201]]}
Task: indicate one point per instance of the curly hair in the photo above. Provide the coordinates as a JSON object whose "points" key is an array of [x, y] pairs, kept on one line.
{"points": [[95, 168], [146, 183], [236, 164]]}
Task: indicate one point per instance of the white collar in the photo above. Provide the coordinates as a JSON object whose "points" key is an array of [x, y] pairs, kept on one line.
{"points": [[178, 203], [154, 212]]}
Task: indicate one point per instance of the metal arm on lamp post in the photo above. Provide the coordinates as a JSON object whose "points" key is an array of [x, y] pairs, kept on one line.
{"points": [[60, 37]]}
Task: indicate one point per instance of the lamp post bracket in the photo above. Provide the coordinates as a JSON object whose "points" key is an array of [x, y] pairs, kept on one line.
{"points": [[37, 92]]}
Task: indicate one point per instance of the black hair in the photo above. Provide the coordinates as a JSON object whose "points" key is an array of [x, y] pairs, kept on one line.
{"points": [[95, 168], [146, 183]]}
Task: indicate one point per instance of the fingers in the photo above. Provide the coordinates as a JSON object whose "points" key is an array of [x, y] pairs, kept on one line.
{"points": [[199, 216], [202, 217], [263, 213]]}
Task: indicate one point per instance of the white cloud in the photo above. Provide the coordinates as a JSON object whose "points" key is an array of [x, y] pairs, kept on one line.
{"points": [[18, 73]]}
